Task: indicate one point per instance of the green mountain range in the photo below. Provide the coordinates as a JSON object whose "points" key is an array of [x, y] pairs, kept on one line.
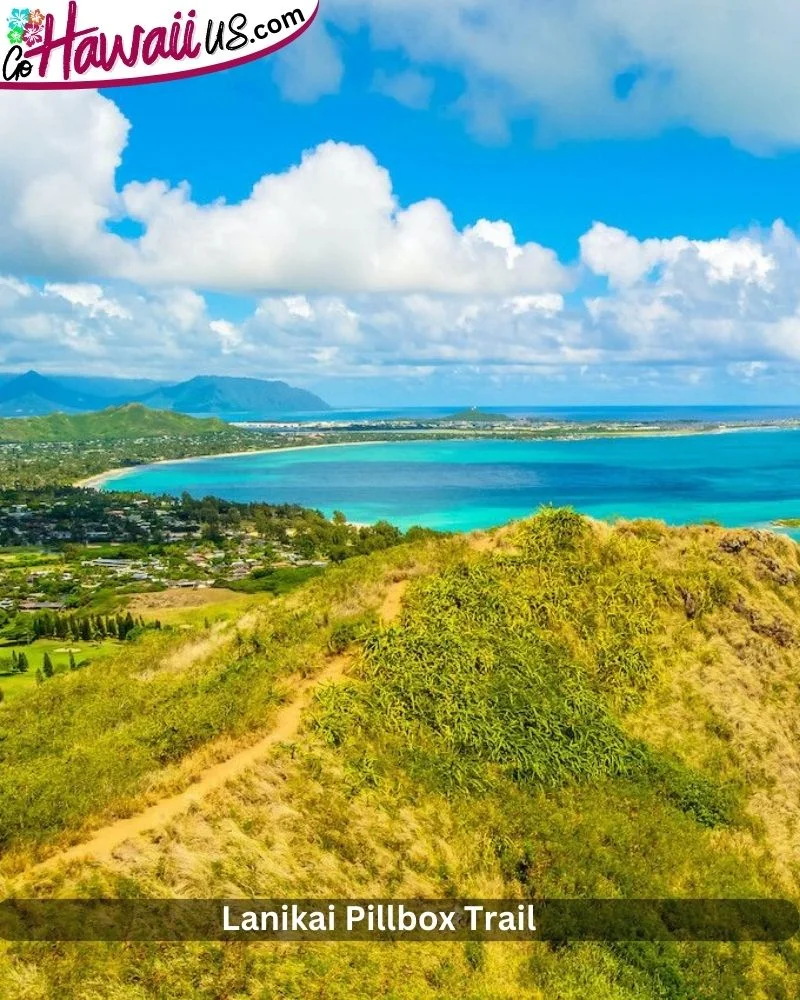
{"points": [[32, 394]]}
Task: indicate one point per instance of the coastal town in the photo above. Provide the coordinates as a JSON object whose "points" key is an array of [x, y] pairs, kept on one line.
{"points": [[68, 548], [83, 571]]}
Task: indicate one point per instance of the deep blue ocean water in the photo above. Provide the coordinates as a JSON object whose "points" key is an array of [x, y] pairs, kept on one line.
{"points": [[739, 478]]}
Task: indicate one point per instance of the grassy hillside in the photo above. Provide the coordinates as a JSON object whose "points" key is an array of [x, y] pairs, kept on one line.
{"points": [[117, 423], [568, 710]]}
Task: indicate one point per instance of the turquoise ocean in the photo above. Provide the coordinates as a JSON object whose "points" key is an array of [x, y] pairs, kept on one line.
{"points": [[749, 477]]}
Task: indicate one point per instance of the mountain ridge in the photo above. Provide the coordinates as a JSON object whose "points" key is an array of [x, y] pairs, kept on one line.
{"points": [[31, 394], [29, 390], [227, 394]]}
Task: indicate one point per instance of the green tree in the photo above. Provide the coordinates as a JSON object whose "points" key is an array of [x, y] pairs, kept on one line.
{"points": [[47, 666], [72, 664], [22, 663]]}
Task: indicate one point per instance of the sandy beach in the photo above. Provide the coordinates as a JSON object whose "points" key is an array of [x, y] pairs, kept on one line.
{"points": [[97, 481]]}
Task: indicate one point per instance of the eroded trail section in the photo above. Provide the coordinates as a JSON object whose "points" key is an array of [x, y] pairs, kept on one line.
{"points": [[102, 843]]}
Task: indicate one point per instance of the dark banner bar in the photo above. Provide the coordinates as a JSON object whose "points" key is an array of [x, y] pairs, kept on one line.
{"points": [[399, 920]]}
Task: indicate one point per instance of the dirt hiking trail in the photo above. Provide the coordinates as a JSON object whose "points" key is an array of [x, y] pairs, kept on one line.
{"points": [[286, 725]]}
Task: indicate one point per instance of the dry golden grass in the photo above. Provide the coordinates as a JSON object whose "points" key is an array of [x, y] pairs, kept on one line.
{"points": [[729, 697], [155, 604]]}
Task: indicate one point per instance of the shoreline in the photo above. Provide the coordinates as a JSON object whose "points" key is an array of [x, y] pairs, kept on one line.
{"points": [[98, 480]]}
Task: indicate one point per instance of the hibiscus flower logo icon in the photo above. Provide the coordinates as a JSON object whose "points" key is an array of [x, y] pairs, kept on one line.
{"points": [[33, 34], [18, 20], [25, 26]]}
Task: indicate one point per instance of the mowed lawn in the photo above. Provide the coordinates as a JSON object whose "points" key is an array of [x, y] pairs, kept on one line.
{"points": [[13, 685]]}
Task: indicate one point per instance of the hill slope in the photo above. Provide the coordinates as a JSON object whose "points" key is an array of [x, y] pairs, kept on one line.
{"points": [[567, 709], [115, 423]]}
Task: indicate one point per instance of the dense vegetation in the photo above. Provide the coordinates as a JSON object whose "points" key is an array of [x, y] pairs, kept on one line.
{"points": [[475, 416], [479, 682], [85, 628], [61, 463], [586, 711], [60, 517], [116, 423]]}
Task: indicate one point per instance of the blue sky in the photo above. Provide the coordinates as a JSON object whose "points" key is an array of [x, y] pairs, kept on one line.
{"points": [[638, 190], [674, 183]]}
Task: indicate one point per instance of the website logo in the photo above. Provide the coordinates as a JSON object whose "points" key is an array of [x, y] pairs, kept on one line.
{"points": [[94, 43]]}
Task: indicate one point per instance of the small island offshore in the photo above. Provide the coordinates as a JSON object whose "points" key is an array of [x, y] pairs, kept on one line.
{"points": [[473, 416]]}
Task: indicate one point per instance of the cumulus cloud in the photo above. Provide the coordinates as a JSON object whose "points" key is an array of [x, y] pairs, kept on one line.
{"points": [[90, 297], [93, 330], [57, 182], [735, 299], [761, 259], [340, 278], [625, 260], [589, 67], [331, 223]]}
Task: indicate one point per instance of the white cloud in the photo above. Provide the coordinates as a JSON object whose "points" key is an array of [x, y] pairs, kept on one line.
{"points": [[345, 280], [92, 330], [748, 371], [723, 69], [60, 154], [625, 260], [332, 223], [90, 297], [731, 300]]}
